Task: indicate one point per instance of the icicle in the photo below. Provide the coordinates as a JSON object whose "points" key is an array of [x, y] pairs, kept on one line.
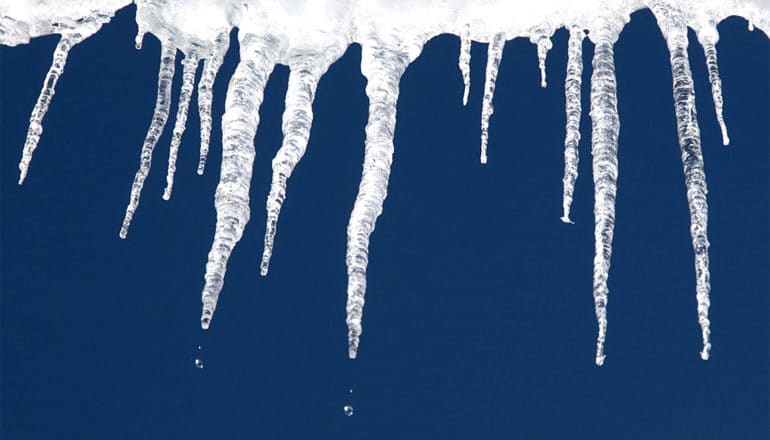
{"points": [[716, 87], [66, 43], [188, 81], [465, 61], [382, 64], [297, 120], [159, 117], [205, 91], [541, 36], [139, 38], [604, 150], [674, 28], [543, 46], [494, 57], [239, 126], [572, 87], [708, 37]]}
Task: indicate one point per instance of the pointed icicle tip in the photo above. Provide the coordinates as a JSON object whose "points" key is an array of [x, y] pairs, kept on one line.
{"points": [[705, 353], [600, 360], [138, 39]]}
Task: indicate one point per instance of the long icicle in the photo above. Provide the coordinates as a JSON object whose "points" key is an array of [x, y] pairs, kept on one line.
{"points": [[604, 151], [259, 55], [66, 43], [494, 57], [297, 120], [190, 65], [382, 64], [159, 118], [572, 88], [464, 62], [708, 37], [211, 66], [674, 28]]}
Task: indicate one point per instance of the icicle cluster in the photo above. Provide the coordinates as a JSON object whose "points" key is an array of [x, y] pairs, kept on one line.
{"points": [[310, 35]]}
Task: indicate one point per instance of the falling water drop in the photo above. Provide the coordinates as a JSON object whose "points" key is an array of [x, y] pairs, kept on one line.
{"points": [[348, 410], [198, 361]]}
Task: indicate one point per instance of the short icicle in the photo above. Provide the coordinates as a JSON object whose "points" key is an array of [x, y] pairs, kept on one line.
{"points": [[68, 40], [541, 37], [382, 63], [259, 55], [604, 152], [465, 61], [572, 87], [543, 46], [190, 65], [673, 25], [159, 118], [708, 37], [494, 57], [211, 66], [306, 70]]}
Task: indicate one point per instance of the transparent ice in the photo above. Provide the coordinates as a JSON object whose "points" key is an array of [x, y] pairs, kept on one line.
{"points": [[310, 35]]}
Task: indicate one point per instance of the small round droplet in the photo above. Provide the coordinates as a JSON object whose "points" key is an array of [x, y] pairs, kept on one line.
{"points": [[348, 410], [198, 363]]}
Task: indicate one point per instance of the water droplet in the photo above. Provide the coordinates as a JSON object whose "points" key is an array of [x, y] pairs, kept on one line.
{"points": [[350, 390], [199, 363], [348, 410]]}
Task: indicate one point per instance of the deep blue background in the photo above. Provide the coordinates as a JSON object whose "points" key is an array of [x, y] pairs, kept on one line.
{"points": [[479, 320]]}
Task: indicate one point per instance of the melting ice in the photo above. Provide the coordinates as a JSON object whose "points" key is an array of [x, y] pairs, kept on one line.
{"points": [[310, 35]]}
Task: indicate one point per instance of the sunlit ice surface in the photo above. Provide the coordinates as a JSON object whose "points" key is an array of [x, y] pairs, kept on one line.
{"points": [[309, 36]]}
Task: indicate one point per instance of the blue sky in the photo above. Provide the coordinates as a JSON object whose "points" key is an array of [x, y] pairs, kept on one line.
{"points": [[479, 319]]}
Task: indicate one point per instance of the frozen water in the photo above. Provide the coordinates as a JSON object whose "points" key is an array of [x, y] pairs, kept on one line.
{"points": [[309, 35]]}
